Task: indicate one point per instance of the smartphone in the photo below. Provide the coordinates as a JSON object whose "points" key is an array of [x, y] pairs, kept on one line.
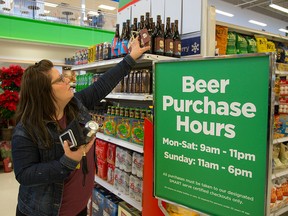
{"points": [[69, 137]]}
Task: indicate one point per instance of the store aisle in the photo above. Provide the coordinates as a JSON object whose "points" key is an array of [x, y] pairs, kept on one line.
{"points": [[8, 193]]}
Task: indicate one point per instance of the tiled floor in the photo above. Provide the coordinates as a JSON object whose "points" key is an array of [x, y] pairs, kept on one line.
{"points": [[8, 193]]}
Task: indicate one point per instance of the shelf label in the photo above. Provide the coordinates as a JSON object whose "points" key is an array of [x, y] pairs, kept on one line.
{"points": [[211, 132]]}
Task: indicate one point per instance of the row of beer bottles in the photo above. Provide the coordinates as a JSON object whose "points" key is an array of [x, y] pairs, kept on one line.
{"points": [[162, 41]]}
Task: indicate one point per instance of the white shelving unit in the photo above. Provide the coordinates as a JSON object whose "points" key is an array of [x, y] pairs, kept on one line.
{"points": [[119, 142], [146, 58], [126, 198], [133, 96]]}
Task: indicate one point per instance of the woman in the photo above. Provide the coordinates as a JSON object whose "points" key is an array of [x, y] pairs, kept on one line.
{"points": [[51, 178]]}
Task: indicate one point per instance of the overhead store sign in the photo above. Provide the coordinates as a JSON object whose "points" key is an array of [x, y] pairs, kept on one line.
{"points": [[212, 120], [126, 3]]}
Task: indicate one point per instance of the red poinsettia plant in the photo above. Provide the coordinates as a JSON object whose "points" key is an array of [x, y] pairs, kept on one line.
{"points": [[10, 79]]}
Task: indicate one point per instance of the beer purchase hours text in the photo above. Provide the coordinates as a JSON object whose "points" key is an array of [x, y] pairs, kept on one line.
{"points": [[201, 162], [206, 106]]}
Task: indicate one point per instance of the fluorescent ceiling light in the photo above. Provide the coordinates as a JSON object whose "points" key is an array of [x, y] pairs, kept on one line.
{"points": [[277, 7], [50, 4], [224, 13], [93, 13], [257, 23], [106, 7], [46, 11], [283, 30]]}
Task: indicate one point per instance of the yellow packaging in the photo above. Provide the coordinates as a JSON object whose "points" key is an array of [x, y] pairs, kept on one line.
{"points": [[271, 46], [175, 210], [261, 43], [221, 38], [91, 54]]}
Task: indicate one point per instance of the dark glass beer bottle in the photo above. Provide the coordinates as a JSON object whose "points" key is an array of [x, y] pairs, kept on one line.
{"points": [[114, 48], [123, 34], [176, 41], [134, 29], [168, 37], [159, 40]]}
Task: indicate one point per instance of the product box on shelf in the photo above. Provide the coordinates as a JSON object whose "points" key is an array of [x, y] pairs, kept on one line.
{"points": [[279, 194], [123, 128], [111, 206], [121, 181], [282, 67], [101, 149], [137, 131], [283, 123], [102, 169], [91, 53], [110, 173], [125, 209], [123, 159], [135, 188], [98, 200], [137, 164], [117, 178], [111, 153], [110, 125]]}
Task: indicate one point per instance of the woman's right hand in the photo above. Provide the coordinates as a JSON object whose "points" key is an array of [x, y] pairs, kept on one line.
{"points": [[78, 154]]}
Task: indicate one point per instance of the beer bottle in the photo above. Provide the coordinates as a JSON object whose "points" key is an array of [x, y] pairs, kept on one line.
{"points": [[114, 49], [141, 26], [152, 38], [159, 40], [168, 37], [150, 32], [176, 42], [172, 29], [127, 37], [146, 22], [123, 34], [134, 29]]}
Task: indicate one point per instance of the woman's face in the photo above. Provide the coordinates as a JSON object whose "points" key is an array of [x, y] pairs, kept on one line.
{"points": [[60, 87]]}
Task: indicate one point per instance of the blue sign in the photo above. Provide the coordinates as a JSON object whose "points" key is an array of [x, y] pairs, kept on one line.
{"points": [[191, 46]]}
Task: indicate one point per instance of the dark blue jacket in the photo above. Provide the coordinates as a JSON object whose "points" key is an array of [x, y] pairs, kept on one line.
{"points": [[41, 172]]}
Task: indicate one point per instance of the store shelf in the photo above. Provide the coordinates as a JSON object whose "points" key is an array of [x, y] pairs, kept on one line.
{"points": [[279, 173], [283, 73], [131, 96], [280, 211], [146, 58], [29, 62], [280, 140], [126, 198], [252, 32], [119, 142]]}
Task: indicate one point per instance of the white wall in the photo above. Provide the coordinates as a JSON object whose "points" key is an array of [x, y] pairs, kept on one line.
{"points": [[25, 51], [242, 16]]}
